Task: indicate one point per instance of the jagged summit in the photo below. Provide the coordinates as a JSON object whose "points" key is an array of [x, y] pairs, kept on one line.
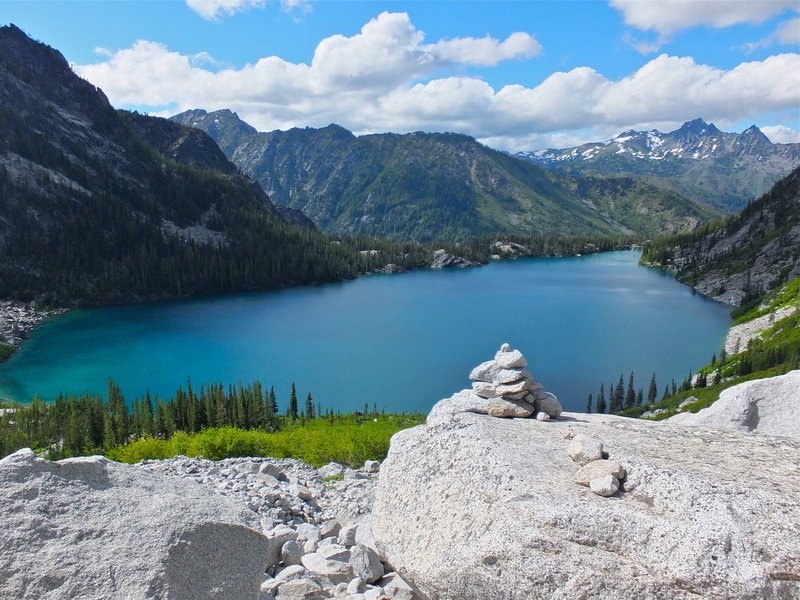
{"points": [[697, 160]]}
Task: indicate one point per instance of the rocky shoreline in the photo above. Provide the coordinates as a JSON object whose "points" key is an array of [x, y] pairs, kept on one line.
{"points": [[19, 319]]}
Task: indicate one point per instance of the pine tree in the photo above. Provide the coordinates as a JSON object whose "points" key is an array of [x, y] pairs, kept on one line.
{"points": [[292, 410], [616, 395], [309, 407], [630, 393], [652, 392], [589, 404], [639, 397], [601, 400], [274, 400]]}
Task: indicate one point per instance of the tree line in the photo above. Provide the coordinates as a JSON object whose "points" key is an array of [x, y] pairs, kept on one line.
{"points": [[87, 424]]}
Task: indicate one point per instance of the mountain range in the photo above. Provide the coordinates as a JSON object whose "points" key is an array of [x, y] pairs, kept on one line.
{"points": [[697, 161], [434, 186]]}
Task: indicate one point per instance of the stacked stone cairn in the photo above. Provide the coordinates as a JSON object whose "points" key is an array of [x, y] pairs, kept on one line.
{"points": [[601, 474], [509, 389]]}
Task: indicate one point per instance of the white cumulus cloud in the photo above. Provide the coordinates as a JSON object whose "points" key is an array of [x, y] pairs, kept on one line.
{"points": [[780, 134], [213, 9], [386, 78], [670, 16]]}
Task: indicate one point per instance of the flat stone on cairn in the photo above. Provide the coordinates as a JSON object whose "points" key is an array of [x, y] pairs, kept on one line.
{"points": [[510, 388]]}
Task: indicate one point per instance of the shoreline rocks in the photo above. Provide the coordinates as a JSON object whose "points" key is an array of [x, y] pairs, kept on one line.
{"points": [[19, 319]]}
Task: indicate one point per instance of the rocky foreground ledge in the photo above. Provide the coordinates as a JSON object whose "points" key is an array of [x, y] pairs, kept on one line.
{"points": [[475, 508]]}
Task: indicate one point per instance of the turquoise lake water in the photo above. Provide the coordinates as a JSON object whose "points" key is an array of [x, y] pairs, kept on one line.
{"points": [[399, 341]]}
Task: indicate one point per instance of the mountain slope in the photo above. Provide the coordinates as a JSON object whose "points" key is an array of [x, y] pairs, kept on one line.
{"points": [[697, 161], [744, 256], [100, 206], [423, 186]]}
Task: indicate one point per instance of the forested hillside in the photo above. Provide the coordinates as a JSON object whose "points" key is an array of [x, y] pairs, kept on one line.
{"points": [[435, 186], [98, 206], [742, 257]]}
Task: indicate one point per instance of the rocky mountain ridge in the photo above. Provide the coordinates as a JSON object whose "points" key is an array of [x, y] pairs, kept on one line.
{"points": [[742, 257], [428, 186], [698, 161]]}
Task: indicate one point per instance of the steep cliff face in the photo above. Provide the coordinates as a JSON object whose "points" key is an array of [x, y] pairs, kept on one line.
{"points": [[744, 256], [99, 205], [698, 161], [425, 186]]}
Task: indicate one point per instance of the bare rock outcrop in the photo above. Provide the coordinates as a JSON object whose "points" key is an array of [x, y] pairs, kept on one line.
{"points": [[471, 507], [90, 528], [770, 405]]}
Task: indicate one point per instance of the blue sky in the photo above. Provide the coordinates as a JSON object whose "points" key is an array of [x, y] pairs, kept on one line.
{"points": [[515, 74]]}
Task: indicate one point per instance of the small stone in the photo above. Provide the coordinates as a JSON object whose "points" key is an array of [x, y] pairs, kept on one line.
{"points": [[372, 466], [246, 467], [484, 389], [394, 587], [585, 448], [523, 385], [273, 470], [302, 492], [289, 573], [505, 347], [512, 359], [354, 474], [291, 552], [335, 570], [484, 371], [607, 485], [332, 469], [500, 407], [347, 535], [598, 468], [547, 402], [307, 531], [518, 396], [542, 416], [329, 529], [299, 589], [510, 375], [356, 586], [365, 564]]}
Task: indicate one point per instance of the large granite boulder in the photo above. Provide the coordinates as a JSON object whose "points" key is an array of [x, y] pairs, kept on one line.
{"points": [[469, 507], [770, 405], [90, 528]]}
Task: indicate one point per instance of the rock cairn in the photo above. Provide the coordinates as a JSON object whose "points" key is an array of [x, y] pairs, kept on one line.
{"points": [[597, 472], [509, 389]]}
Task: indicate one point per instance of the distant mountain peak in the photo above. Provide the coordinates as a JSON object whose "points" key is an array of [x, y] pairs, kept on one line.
{"points": [[755, 135], [694, 160], [695, 129]]}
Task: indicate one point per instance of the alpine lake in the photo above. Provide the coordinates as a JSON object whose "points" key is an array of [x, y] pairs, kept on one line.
{"points": [[395, 342]]}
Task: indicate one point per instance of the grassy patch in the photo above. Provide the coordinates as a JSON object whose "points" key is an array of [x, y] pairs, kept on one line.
{"points": [[318, 442]]}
